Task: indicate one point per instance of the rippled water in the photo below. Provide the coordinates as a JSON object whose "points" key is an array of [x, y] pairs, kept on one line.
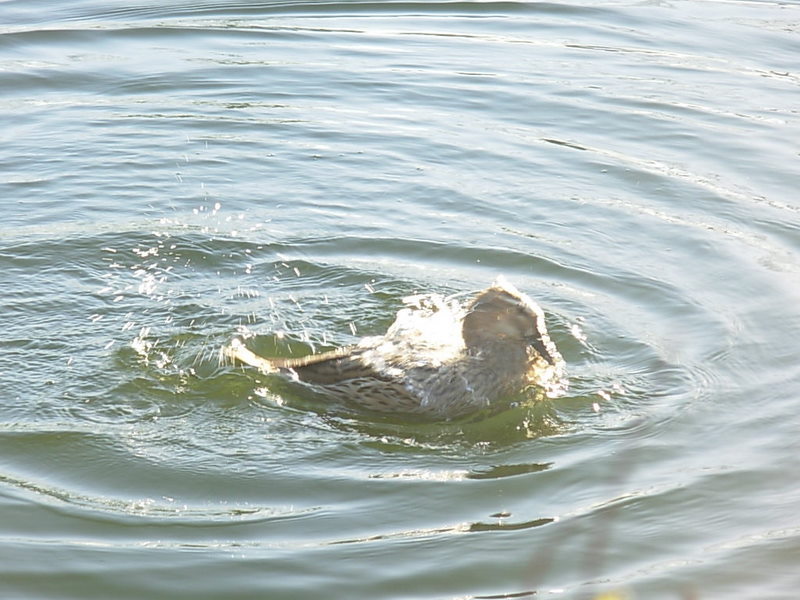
{"points": [[173, 175]]}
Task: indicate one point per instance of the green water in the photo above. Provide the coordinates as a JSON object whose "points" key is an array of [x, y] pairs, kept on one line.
{"points": [[174, 175]]}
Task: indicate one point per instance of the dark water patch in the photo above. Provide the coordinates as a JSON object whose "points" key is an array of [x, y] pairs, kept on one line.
{"points": [[500, 471], [506, 526], [510, 595]]}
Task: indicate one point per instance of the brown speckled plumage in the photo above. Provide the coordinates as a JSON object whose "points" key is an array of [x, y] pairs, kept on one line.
{"points": [[438, 359]]}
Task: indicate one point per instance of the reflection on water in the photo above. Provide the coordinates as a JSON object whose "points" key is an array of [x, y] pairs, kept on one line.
{"points": [[174, 176]]}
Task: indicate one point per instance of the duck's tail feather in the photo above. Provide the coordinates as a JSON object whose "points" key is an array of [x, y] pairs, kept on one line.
{"points": [[236, 351]]}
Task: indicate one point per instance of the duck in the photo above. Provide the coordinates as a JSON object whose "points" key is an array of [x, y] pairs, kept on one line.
{"points": [[440, 359]]}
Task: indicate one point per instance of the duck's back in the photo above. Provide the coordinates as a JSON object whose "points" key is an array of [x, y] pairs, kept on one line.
{"points": [[354, 376], [388, 379]]}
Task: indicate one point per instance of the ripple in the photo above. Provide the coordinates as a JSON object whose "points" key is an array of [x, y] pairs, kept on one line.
{"points": [[501, 471], [176, 175], [151, 509], [505, 526]]}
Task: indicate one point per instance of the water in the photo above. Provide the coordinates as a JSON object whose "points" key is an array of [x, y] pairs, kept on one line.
{"points": [[172, 175]]}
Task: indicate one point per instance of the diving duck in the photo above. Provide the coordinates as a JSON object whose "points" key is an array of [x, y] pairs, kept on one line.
{"points": [[439, 359]]}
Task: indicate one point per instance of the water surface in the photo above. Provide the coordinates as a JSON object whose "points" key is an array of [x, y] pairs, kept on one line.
{"points": [[174, 175]]}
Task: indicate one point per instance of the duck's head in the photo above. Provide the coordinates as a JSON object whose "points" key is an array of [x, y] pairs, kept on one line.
{"points": [[501, 313]]}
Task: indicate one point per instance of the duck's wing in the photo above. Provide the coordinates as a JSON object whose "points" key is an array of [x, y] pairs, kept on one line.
{"points": [[326, 368], [345, 373], [236, 351]]}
